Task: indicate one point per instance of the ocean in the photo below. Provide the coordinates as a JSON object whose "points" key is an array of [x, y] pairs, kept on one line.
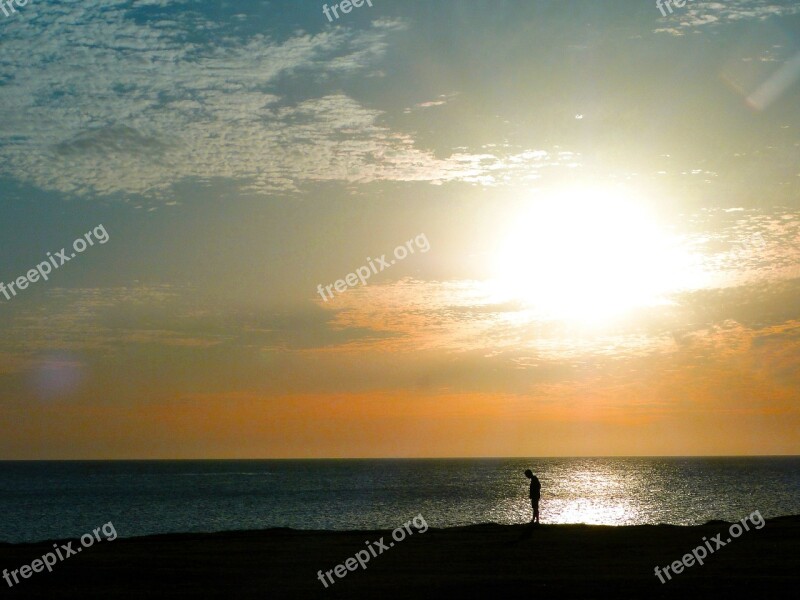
{"points": [[64, 499]]}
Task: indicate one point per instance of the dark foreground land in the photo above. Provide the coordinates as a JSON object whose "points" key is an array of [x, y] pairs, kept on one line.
{"points": [[482, 561]]}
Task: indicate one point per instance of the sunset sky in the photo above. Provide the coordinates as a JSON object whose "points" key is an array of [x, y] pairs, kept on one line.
{"points": [[610, 198]]}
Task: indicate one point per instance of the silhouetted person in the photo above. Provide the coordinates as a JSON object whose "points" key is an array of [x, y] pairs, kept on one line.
{"points": [[536, 489]]}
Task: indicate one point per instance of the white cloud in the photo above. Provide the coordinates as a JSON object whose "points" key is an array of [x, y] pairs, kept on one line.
{"points": [[699, 14], [101, 104]]}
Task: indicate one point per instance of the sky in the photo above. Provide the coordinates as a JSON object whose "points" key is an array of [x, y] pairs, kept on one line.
{"points": [[576, 224]]}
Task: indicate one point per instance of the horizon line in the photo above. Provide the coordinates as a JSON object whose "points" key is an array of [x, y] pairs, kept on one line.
{"points": [[6, 460]]}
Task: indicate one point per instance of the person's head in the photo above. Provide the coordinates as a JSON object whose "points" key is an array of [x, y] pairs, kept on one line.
{"points": [[528, 473]]}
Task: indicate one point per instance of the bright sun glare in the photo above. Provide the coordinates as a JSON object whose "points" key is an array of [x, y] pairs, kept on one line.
{"points": [[588, 255]]}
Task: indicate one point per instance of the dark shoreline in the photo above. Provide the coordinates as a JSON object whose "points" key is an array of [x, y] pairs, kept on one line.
{"points": [[476, 561]]}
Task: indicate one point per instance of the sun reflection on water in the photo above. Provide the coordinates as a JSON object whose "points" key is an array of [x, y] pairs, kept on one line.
{"points": [[594, 495]]}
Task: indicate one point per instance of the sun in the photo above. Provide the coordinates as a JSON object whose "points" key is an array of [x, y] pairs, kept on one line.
{"points": [[588, 254]]}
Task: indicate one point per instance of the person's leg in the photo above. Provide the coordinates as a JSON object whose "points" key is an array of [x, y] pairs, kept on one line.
{"points": [[536, 511]]}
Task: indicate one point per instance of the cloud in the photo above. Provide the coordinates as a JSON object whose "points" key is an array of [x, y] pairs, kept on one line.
{"points": [[742, 247], [696, 15], [741, 265], [87, 319], [117, 99], [464, 316], [441, 100], [110, 322]]}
